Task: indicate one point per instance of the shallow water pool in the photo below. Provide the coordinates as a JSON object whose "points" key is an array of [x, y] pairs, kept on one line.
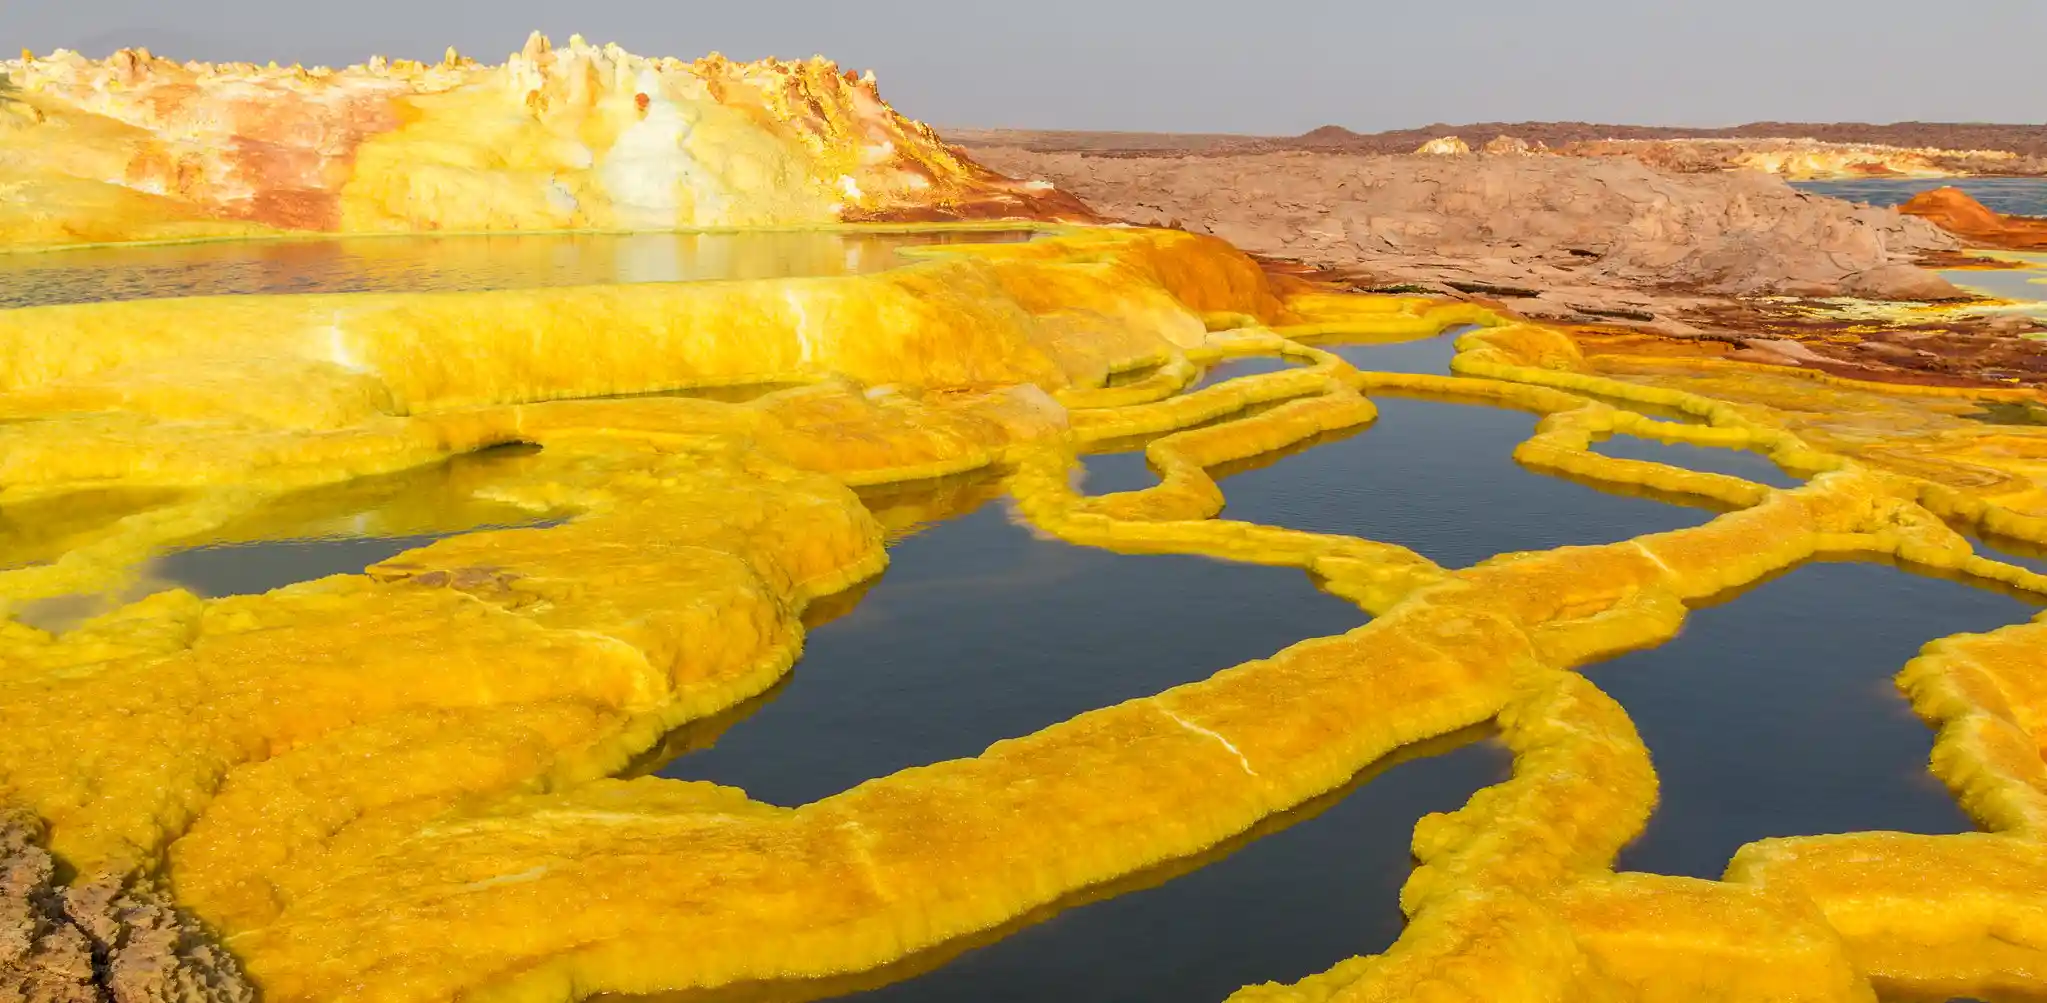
{"points": [[299, 537], [1434, 476], [983, 630], [2013, 196], [411, 264], [1774, 713], [1705, 459]]}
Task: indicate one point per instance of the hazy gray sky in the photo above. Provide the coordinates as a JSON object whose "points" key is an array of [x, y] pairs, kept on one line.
{"points": [[1272, 67]]}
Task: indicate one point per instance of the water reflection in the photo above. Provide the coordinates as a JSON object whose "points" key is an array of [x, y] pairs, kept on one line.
{"points": [[2015, 196], [455, 263], [1427, 357], [2021, 284], [298, 537], [982, 630], [1242, 366], [2021, 413], [2021, 553], [1774, 714], [40, 530], [1434, 476], [1705, 459]]}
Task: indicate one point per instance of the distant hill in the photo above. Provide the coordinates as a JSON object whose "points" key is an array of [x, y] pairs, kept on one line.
{"points": [[2026, 140]]}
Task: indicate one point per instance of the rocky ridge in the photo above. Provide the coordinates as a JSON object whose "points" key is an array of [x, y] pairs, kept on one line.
{"points": [[1781, 276]]}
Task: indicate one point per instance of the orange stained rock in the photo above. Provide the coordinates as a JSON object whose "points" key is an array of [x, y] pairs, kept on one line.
{"points": [[399, 785], [1953, 210]]}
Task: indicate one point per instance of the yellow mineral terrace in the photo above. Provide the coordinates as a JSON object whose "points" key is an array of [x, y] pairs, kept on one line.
{"points": [[399, 785]]}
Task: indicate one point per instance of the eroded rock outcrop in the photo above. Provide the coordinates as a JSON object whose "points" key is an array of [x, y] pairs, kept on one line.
{"points": [[109, 940], [44, 957], [138, 146], [1600, 230]]}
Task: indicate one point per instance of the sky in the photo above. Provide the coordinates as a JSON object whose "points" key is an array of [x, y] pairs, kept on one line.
{"points": [[1277, 67]]}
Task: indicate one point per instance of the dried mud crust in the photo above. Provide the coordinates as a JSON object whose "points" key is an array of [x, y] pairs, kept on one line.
{"points": [[100, 942]]}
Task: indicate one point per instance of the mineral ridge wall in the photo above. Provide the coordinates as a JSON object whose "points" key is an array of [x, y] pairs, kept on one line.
{"points": [[139, 147]]}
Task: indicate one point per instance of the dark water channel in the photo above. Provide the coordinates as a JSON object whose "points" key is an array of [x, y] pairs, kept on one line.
{"points": [[1431, 475], [1246, 365], [1774, 713], [982, 630], [455, 263], [300, 537], [1705, 459], [2020, 553], [1427, 357]]}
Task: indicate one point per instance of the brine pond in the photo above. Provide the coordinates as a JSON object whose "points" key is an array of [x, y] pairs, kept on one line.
{"points": [[1772, 714], [2012, 196], [411, 264]]}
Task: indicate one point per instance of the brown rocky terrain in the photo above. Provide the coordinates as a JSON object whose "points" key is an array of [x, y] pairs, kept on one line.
{"points": [[1562, 229], [1737, 256]]}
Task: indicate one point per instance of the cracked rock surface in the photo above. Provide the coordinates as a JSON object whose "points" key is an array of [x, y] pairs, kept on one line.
{"points": [[102, 941], [1585, 239]]}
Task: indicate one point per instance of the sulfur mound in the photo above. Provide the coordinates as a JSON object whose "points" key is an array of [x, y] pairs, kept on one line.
{"points": [[141, 147]]}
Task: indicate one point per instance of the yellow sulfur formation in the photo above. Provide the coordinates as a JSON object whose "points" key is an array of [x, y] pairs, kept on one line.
{"points": [[408, 785], [138, 147]]}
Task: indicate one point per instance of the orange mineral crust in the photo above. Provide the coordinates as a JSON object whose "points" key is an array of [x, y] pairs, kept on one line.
{"points": [[140, 147], [416, 783], [1953, 210]]}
